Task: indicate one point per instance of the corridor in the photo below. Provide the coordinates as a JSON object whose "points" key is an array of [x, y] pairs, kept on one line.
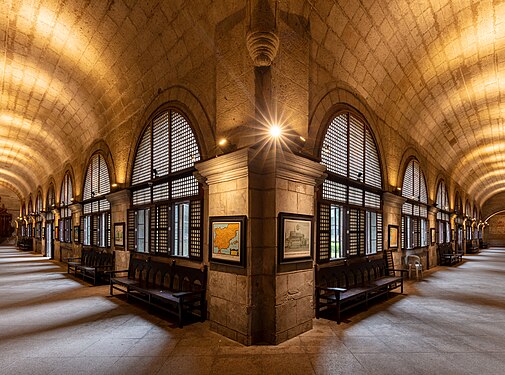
{"points": [[453, 322]]}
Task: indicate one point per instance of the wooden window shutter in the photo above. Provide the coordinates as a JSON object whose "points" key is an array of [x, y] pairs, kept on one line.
{"points": [[81, 230], [130, 230], [195, 229], [323, 233], [94, 230]]}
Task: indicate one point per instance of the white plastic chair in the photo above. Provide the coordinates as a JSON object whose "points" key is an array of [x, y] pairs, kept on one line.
{"points": [[413, 262]]}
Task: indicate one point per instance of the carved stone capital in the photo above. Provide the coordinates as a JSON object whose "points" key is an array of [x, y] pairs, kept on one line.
{"points": [[262, 47]]}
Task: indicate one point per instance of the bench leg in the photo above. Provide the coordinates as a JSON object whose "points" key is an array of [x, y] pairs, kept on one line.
{"points": [[111, 288], [179, 308]]}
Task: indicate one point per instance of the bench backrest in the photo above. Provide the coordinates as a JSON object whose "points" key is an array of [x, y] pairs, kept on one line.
{"points": [[166, 276], [91, 257], [351, 275]]}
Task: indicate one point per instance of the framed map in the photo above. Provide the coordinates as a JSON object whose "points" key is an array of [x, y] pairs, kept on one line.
{"points": [[228, 239], [295, 237]]}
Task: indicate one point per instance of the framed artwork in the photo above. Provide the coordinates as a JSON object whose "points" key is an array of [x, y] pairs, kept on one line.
{"points": [[76, 233], [432, 236], [43, 234], [295, 237], [393, 236], [119, 234], [56, 233], [227, 242]]}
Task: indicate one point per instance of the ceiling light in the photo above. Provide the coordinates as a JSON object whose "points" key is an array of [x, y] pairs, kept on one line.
{"points": [[275, 131]]}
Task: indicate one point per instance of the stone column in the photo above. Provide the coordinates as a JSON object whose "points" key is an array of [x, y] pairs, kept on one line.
{"points": [[432, 223], [392, 215], [119, 205], [265, 301], [76, 209]]}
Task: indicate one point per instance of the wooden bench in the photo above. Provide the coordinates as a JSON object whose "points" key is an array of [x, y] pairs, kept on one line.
{"points": [[93, 264], [175, 289], [472, 246], [482, 244], [447, 256], [346, 286], [25, 244]]}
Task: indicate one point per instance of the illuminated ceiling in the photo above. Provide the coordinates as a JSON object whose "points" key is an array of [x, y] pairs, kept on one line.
{"points": [[432, 70]]}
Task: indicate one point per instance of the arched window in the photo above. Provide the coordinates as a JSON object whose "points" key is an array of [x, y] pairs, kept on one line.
{"points": [[415, 209], [468, 226], [443, 215], [30, 214], [23, 216], [66, 199], [350, 207], [166, 197], [95, 223], [50, 203], [38, 218]]}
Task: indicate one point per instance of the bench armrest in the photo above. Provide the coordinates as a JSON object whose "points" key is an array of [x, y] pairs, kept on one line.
{"points": [[114, 272], [331, 289], [73, 258], [395, 270]]}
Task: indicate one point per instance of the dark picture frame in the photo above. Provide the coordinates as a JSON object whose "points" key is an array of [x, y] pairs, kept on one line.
{"points": [[393, 236], [227, 240], [295, 237], [77, 230], [433, 235], [119, 234]]}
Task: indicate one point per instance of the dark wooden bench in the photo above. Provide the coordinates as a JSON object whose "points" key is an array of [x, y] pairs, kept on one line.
{"points": [[346, 286], [175, 289], [472, 246], [482, 244], [92, 264], [447, 256], [25, 244]]}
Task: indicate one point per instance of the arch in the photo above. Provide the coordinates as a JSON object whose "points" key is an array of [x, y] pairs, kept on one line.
{"points": [[189, 105], [420, 192], [338, 98], [99, 147]]}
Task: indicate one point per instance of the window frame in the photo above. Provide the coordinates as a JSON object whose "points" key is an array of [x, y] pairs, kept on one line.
{"points": [[161, 212], [354, 225]]}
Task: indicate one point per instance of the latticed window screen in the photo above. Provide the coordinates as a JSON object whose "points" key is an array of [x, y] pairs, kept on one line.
{"points": [[350, 210], [50, 202], [167, 214], [96, 225], [443, 215], [66, 199], [415, 209]]}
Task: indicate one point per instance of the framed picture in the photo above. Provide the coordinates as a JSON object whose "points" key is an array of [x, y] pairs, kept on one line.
{"points": [[433, 236], [76, 233], [43, 232], [119, 234], [295, 237], [56, 233], [393, 236], [227, 242]]}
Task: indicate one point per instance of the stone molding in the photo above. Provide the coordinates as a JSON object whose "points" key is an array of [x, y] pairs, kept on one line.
{"points": [[223, 168], [118, 197], [393, 199], [76, 208]]}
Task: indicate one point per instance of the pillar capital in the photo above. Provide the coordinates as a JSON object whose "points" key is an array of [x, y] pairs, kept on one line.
{"points": [[118, 197], [393, 200]]}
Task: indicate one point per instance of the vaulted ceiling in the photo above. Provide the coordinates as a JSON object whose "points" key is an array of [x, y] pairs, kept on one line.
{"points": [[73, 70]]}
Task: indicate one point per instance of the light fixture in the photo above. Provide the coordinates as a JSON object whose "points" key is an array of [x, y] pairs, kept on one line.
{"points": [[114, 185], [275, 131], [225, 145], [155, 172]]}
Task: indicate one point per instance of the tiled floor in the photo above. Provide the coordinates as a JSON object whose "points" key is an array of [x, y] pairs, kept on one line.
{"points": [[453, 322]]}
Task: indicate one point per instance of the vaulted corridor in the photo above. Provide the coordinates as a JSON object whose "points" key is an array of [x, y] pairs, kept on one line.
{"points": [[453, 322]]}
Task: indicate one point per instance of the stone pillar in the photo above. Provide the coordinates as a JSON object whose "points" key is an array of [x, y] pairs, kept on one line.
{"points": [[432, 249], [76, 209], [264, 302], [392, 215], [119, 205]]}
